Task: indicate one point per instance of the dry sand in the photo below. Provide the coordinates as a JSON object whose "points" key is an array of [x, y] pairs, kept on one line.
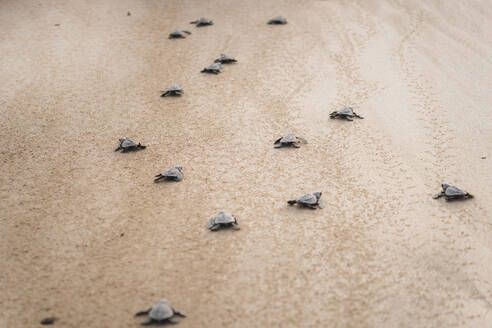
{"points": [[382, 253]]}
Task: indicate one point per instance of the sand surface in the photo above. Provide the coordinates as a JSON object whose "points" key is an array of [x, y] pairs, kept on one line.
{"points": [[86, 236]]}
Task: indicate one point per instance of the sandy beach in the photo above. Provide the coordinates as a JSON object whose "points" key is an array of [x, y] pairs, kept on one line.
{"points": [[87, 237]]}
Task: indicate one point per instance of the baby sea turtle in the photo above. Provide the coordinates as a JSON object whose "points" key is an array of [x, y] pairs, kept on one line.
{"points": [[308, 200], [215, 68], [224, 59], [202, 21], [223, 220], [48, 321], [179, 34], [289, 140], [452, 193], [279, 20], [174, 174], [160, 314], [129, 145], [346, 113], [173, 91]]}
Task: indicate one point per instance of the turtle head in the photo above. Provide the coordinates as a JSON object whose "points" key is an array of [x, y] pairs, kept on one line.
{"points": [[317, 194], [179, 168], [444, 186]]}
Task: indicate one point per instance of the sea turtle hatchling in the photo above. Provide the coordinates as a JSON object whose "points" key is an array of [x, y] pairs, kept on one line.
{"points": [[179, 34], [279, 20], [223, 220], [214, 68], [161, 314], [452, 193], [224, 59], [289, 140], [308, 200], [346, 113], [173, 174], [172, 91], [202, 21], [127, 145]]}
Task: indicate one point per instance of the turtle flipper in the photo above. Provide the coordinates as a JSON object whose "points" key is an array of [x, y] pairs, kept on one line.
{"points": [[292, 202], [235, 226], [159, 178], [348, 118], [179, 313], [436, 196], [469, 195], [118, 148], [321, 206], [145, 312], [139, 146], [358, 116], [296, 145], [147, 323], [187, 32], [304, 141]]}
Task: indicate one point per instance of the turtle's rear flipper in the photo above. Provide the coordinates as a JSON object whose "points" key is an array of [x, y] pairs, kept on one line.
{"points": [[141, 146], [148, 323], [292, 202]]}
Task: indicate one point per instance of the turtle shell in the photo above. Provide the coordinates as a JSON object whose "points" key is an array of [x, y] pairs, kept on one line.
{"points": [[174, 87], [308, 199], [278, 20], [161, 311], [127, 143], [175, 172], [452, 191], [204, 21], [289, 138], [224, 218], [214, 67], [349, 111]]}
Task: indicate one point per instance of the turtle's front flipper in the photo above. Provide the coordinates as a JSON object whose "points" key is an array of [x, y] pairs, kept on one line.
{"points": [[436, 196], [235, 226], [277, 141], [141, 146], [358, 116], [302, 140], [179, 313], [118, 148], [292, 202], [159, 178], [145, 312], [469, 195], [187, 32], [348, 118], [321, 206], [296, 145]]}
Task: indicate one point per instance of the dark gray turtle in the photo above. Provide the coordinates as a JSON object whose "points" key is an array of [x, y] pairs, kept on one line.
{"points": [[174, 174], [129, 145], [179, 34], [279, 20], [161, 314], [224, 59], [346, 113], [173, 91], [48, 321], [452, 193], [308, 200], [223, 220], [202, 21], [289, 140], [214, 68]]}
